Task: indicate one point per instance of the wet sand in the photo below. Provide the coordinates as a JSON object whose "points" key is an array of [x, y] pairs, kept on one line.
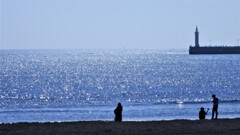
{"points": [[173, 127]]}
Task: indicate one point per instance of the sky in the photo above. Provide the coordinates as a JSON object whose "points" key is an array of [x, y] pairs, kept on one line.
{"points": [[117, 24]]}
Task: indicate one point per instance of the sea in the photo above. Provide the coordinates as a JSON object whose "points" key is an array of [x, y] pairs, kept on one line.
{"points": [[86, 85]]}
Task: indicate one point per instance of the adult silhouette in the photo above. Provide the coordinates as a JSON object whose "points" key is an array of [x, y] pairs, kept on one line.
{"points": [[215, 107], [118, 112]]}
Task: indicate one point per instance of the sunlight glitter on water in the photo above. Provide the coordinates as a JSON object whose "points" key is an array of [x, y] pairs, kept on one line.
{"points": [[65, 78]]}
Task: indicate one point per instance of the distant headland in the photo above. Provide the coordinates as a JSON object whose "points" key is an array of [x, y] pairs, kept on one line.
{"points": [[197, 49]]}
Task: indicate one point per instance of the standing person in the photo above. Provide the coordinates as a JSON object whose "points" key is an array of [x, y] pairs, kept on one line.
{"points": [[215, 107], [118, 112]]}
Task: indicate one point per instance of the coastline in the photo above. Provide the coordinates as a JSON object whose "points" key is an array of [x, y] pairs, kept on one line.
{"points": [[173, 127]]}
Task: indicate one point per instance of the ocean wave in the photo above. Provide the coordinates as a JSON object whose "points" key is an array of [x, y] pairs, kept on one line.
{"points": [[50, 110], [198, 102]]}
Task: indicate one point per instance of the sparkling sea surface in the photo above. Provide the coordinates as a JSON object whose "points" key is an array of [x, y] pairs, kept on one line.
{"points": [[84, 85]]}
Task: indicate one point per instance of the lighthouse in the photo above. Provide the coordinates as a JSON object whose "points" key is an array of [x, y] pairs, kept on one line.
{"points": [[196, 38], [197, 49]]}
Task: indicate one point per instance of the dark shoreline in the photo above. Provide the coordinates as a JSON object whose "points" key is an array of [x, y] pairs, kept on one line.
{"points": [[208, 127]]}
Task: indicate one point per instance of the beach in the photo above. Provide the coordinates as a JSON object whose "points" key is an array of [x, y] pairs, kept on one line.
{"points": [[173, 127]]}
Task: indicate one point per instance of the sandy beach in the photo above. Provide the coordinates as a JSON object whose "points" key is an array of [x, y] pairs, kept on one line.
{"points": [[173, 127]]}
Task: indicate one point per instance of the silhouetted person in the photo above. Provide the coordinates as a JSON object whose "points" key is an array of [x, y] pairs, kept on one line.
{"points": [[215, 107], [202, 113], [118, 112]]}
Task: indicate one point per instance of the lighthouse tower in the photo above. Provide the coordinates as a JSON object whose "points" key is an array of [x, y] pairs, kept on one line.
{"points": [[196, 38]]}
